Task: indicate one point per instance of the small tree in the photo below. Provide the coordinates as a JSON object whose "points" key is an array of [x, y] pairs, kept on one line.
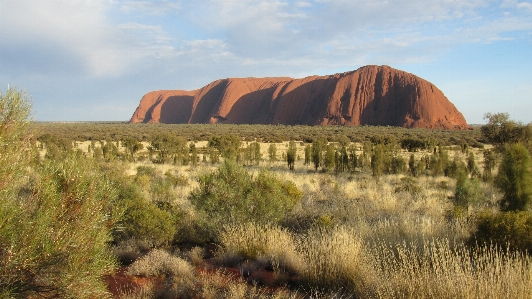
{"points": [[500, 130], [317, 148], [515, 178], [329, 161], [291, 155], [490, 160], [226, 145], [308, 154], [272, 152], [193, 155]]}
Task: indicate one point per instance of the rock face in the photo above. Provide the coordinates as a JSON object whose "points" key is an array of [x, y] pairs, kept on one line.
{"points": [[371, 95]]}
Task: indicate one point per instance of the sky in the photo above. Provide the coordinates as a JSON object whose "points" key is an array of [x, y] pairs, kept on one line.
{"points": [[93, 60]]}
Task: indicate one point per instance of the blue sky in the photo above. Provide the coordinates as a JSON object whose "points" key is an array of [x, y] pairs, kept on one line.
{"points": [[93, 60]]}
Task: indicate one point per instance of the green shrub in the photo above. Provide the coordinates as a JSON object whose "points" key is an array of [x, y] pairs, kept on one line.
{"points": [[506, 229], [232, 195], [145, 221], [55, 219], [514, 178], [468, 191], [56, 233]]}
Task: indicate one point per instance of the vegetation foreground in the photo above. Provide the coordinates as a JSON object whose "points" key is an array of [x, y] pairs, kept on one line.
{"points": [[335, 215]]}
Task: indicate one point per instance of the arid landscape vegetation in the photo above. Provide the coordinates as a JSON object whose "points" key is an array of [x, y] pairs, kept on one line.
{"points": [[113, 210]]}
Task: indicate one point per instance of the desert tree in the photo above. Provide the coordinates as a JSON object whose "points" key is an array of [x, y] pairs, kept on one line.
{"points": [[500, 130], [132, 146], [272, 152], [329, 159], [227, 145], [308, 154], [514, 178], [291, 155], [489, 162]]}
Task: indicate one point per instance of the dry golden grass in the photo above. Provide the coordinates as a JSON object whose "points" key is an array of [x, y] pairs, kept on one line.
{"points": [[435, 269], [353, 235], [261, 242]]}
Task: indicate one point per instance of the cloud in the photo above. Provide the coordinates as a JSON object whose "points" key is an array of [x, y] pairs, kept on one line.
{"points": [[78, 31], [79, 36], [156, 8]]}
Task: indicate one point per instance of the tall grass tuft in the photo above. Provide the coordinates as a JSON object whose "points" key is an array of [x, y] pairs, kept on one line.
{"points": [[256, 241], [434, 269], [331, 259]]}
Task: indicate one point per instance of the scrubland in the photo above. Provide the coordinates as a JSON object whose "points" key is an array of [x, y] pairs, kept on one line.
{"points": [[382, 215], [351, 235]]}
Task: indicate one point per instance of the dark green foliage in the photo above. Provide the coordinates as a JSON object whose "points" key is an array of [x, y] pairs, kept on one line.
{"points": [[511, 230], [501, 130], [232, 195], [412, 165], [264, 133], [149, 222], [227, 145], [414, 144], [109, 150], [514, 178], [194, 159], [490, 161], [329, 159], [398, 165], [214, 156], [318, 146], [472, 166], [341, 160], [343, 140], [454, 167], [132, 146], [168, 147], [353, 159], [57, 232], [272, 152], [468, 191], [380, 160], [308, 154], [291, 155], [56, 148]]}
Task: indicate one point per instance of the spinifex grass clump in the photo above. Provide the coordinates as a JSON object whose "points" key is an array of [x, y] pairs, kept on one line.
{"points": [[331, 259], [263, 242], [434, 269]]}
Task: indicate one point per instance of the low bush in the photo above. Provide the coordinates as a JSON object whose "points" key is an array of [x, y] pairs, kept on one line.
{"points": [[54, 235], [511, 230], [232, 195], [147, 222]]}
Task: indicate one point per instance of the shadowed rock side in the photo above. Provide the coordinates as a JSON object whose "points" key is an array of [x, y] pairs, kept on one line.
{"points": [[371, 95]]}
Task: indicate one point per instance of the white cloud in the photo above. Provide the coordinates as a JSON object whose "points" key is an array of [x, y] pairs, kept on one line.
{"points": [[524, 5], [82, 34], [155, 8]]}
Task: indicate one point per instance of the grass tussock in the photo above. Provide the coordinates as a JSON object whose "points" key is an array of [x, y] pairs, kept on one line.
{"points": [[435, 269], [260, 242]]}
